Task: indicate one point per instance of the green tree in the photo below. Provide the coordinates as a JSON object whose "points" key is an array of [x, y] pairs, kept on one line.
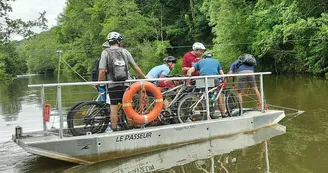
{"points": [[11, 64], [82, 41], [40, 52]]}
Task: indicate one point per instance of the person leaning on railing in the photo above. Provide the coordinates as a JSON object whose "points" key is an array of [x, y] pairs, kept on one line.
{"points": [[240, 68]]}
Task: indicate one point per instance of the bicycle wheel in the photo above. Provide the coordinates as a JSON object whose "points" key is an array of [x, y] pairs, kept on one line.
{"points": [[89, 116], [233, 105], [215, 110], [191, 108]]}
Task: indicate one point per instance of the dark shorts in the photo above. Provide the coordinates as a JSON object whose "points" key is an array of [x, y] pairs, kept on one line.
{"points": [[243, 80], [116, 94]]}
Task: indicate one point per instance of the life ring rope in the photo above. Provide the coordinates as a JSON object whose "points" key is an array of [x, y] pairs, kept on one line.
{"points": [[127, 104], [159, 100]]}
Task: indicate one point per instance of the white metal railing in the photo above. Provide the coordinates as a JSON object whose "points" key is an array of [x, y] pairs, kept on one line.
{"points": [[60, 85]]}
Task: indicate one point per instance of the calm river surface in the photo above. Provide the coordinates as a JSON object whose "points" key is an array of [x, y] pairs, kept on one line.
{"points": [[303, 148]]}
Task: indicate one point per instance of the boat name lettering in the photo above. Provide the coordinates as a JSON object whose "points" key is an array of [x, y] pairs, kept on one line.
{"points": [[147, 168], [185, 128], [133, 137], [84, 142]]}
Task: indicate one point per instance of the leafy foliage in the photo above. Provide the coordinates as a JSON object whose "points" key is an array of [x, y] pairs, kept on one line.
{"points": [[9, 26], [286, 36]]}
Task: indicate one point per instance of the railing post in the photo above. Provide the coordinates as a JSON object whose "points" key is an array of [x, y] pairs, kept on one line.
{"points": [[43, 103], [60, 112], [207, 100], [262, 93]]}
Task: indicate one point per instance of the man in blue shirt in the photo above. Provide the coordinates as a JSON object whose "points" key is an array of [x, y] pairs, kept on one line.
{"points": [[209, 66], [162, 71], [238, 67]]}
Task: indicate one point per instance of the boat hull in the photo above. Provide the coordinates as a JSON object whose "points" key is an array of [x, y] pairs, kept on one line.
{"points": [[106, 146], [182, 155]]}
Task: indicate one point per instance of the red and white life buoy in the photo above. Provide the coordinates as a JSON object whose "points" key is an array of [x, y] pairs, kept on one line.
{"points": [[127, 102]]}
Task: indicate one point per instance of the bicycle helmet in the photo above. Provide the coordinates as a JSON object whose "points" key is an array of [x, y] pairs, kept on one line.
{"points": [[198, 46], [170, 59], [207, 55], [114, 36]]}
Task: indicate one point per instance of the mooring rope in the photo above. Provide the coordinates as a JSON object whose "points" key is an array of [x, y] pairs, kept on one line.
{"points": [[296, 113]]}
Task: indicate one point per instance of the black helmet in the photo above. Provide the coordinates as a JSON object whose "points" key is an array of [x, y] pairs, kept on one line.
{"points": [[207, 55], [170, 59]]}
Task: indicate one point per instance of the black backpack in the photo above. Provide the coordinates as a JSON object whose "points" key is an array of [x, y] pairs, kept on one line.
{"points": [[95, 70], [117, 65], [246, 59]]}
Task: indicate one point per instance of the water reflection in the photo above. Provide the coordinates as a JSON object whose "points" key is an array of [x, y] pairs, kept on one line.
{"points": [[20, 105], [216, 155]]}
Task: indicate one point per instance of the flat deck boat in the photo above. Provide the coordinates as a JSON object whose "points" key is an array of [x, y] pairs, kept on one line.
{"points": [[92, 148]]}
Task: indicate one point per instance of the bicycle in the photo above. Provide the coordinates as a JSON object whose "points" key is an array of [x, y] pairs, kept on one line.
{"points": [[93, 116], [169, 113], [192, 107]]}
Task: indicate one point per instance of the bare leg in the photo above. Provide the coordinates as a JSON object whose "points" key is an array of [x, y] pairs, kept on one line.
{"points": [[258, 95], [130, 122], [114, 116], [221, 105], [240, 97]]}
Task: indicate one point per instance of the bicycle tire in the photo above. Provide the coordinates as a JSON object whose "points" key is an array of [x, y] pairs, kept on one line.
{"points": [[214, 107], [232, 103], [83, 117], [188, 111]]}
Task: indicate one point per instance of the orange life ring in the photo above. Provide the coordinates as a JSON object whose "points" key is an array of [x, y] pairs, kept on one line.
{"points": [[127, 102]]}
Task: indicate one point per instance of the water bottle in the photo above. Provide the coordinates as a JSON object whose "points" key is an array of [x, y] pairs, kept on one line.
{"points": [[107, 98], [214, 96], [102, 94]]}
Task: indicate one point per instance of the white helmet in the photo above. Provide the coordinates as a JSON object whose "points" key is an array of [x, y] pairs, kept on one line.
{"points": [[114, 36], [198, 46]]}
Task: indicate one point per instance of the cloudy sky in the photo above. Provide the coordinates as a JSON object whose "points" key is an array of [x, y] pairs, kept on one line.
{"points": [[30, 9]]}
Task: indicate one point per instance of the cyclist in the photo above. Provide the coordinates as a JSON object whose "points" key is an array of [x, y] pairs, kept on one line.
{"points": [[240, 68], [162, 71], [210, 66], [115, 90], [191, 58]]}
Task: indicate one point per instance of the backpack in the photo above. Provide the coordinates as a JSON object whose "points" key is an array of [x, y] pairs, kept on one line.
{"points": [[246, 59], [116, 64], [95, 70]]}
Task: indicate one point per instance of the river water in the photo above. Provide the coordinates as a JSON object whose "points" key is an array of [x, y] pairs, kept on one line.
{"points": [[301, 149]]}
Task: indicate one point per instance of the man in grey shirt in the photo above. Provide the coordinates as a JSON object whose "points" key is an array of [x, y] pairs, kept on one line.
{"points": [[116, 91]]}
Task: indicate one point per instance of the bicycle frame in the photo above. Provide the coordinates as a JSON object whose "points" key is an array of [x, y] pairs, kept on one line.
{"points": [[221, 86], [180, 89]]}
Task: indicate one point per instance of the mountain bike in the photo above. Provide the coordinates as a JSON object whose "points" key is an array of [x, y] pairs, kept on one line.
{"points": [[93, 116], [171, 96], [192, 107]]}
